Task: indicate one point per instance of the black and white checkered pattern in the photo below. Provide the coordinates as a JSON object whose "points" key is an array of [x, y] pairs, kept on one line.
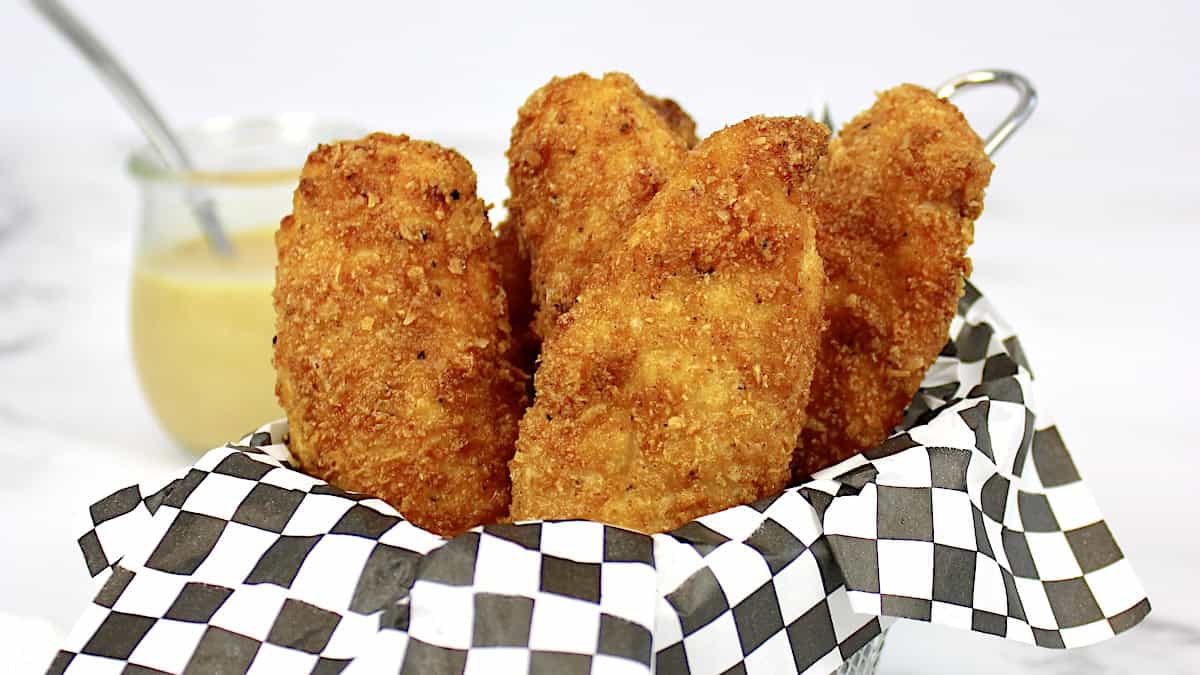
{"points": [[973, 516], [981, 497]]}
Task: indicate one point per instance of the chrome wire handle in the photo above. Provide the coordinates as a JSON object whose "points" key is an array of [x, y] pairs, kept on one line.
{"points": [[1026, 100]]}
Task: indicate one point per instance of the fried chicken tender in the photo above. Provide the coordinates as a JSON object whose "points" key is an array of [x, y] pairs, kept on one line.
{"points": [[586, 157], [393, 338], [676, 386], [898, 195]]}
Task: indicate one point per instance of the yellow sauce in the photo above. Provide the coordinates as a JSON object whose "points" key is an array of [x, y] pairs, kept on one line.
{"points": [[202, 330]]}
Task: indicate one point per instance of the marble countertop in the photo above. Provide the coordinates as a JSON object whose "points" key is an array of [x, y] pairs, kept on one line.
{"points": [[1086, 248]]}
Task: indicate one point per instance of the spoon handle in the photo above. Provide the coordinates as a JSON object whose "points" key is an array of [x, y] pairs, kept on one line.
{"points": [[152, 124]]}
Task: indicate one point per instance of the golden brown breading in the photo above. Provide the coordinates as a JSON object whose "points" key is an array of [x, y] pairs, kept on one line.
{"points": [[898, 195], [514, 277], [676, 117], [393, 339], [676, 386], [586, 157]]}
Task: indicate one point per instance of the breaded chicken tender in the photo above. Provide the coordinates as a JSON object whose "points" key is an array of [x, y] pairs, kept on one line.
{"points": [[586, 157], [677, 384], [898, 195], [393, 351]]}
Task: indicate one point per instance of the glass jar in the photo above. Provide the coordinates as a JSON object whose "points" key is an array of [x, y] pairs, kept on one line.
{"points": [[203, 322]]}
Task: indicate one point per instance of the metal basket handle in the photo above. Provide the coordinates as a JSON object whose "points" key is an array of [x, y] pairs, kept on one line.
{"points": [[1026, 100]]}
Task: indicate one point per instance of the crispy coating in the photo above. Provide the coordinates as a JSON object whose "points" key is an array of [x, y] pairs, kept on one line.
{"points": [[677, 384], [586, 157], [676, 117], [514, 277], [393, 339], [898, 195]]}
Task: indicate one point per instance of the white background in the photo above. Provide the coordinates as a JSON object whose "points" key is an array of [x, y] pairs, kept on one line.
{"points": [[1088, 244]]}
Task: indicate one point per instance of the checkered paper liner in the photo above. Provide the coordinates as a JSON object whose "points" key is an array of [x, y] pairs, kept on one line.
{"points": [[973, 516]]}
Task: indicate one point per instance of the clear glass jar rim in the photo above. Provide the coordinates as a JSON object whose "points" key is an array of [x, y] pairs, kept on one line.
{"points": [[301, 129]]}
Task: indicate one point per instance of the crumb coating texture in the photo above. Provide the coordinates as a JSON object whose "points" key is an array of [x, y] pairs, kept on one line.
{"points": [[393, 349], [897, 197], [677, 384], [586, 157]]}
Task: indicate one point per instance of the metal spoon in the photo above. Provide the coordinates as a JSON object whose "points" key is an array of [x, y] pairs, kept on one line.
{"points": [[152, 124]]}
